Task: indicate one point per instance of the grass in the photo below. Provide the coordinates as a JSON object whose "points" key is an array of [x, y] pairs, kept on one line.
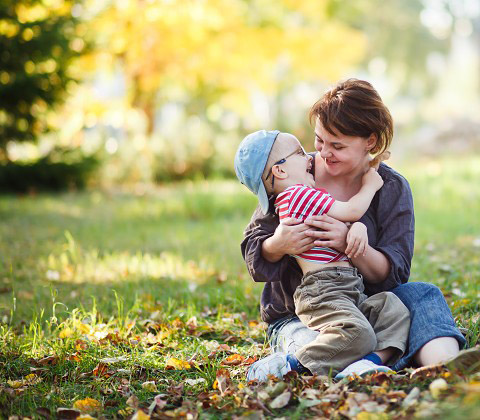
{"points": [[122, 289]]}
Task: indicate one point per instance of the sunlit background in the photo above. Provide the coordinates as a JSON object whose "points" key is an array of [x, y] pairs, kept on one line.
{"points": [[160, 90]]}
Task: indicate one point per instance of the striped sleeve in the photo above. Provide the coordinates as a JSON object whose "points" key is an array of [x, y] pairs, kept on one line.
{"points": [[306, 201]]}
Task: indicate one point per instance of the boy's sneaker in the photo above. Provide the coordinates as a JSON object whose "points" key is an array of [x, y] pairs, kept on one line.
{"points": [[276, 364], [361, 368]]}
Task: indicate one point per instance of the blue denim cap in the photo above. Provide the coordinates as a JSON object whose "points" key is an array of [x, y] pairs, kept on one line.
{"points": [[250, 161]]}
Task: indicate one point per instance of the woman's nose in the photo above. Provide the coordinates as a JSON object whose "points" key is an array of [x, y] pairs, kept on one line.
{"points": [[325, 152]]}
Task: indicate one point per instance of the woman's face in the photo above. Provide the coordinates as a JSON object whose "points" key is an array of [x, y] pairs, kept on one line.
{"points": [[342, 154]]}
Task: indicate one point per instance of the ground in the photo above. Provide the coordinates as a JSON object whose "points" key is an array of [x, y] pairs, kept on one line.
{"points": [[115, 304]]}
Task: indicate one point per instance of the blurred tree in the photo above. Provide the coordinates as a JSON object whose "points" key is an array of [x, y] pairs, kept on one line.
{"points": [[397, 38], [221, 51], [38, 40]]}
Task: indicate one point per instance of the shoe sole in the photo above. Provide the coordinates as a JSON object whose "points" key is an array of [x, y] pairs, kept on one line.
{"points": [[362, 374]]}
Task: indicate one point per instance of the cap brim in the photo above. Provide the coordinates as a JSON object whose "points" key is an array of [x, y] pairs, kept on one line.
{"points": [[263, 198]]}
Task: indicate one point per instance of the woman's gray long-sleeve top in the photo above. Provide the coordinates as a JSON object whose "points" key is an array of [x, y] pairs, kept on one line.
{"points": [[390, 224]]}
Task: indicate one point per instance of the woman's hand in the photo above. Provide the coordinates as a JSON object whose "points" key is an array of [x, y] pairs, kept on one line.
{"points": [[333, 233], [289, 238]]}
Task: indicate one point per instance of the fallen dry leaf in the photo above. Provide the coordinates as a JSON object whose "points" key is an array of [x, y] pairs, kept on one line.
{"points": [[133, 401], [437, 387], [67, 413], [177, 364], [281, 401], [140, 415], [233, 360], [150, 386], [87, 405]]}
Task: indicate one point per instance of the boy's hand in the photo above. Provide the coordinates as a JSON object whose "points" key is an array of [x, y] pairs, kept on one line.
{"points": [[357, 240], [372, 179]]}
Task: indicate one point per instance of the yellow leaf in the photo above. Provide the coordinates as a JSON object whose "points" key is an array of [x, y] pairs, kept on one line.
{"points": [[437, 386], [125, 411], [150, 386], [87, 405], [15, 384], [30, 378], [66, 333], [178, 364], [140, 415], [365, 415], [85, 417], [83, 328], [233, 360]]}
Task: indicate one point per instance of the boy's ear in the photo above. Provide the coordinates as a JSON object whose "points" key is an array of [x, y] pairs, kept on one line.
{"points": [[371, 142], [278, 172]]}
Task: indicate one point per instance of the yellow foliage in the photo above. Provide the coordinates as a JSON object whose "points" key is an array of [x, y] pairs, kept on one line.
{"points": [[437, 387], [150, 386], [233, 45], [365, 415], [87, 405], [30, 379], [66, 332], [15, 384], [178, 364], [140, 415]]}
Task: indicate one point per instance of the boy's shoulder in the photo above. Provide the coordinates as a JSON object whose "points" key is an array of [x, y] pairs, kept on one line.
{"points": [[293, 190]]}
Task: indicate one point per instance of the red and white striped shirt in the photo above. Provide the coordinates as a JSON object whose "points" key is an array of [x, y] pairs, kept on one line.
{"points": [[300, 202]]}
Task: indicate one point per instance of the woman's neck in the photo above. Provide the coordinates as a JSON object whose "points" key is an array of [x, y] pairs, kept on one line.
{"points": [[341, 187]]}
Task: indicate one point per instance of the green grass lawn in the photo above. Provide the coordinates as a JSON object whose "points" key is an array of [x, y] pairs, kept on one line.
{"points": [[121, 297]]}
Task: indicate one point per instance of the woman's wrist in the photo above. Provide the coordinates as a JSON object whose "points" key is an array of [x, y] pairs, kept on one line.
{"points": [[271, 250]]}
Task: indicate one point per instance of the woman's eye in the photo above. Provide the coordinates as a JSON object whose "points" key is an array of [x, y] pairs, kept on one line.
{"points": [[338, 147]]}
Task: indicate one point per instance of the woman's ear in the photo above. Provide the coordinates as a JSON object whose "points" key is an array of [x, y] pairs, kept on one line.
{"points": [[371, 142]]}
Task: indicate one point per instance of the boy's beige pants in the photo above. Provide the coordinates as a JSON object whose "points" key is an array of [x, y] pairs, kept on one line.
{"points": [[331, 301]]}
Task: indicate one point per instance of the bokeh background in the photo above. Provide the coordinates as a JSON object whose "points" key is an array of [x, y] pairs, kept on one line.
{"points": [[138, 92], [120, 214]]}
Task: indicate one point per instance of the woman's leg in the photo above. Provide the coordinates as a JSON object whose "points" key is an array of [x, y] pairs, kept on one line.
{"points": [[432, 327]]}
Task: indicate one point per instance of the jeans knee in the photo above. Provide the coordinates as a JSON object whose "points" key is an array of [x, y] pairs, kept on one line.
{"points": [[418, 294], [422, 288]]}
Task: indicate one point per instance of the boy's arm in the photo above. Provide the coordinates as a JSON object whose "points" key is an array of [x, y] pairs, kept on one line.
{"points": [[355, 208]]}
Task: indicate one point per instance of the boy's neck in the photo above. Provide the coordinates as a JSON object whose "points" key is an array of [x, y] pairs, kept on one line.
{"points": [[283, 184]]}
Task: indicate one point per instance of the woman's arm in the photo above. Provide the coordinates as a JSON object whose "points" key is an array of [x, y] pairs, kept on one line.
{"points": [[374, 265], [272, 263], [289, 238]]}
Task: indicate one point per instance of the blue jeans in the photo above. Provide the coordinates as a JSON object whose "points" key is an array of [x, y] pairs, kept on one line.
{"points": [[430, 318]]}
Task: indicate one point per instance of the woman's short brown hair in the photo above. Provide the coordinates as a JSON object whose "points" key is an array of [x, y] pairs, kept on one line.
{"points": [[354, 108]]}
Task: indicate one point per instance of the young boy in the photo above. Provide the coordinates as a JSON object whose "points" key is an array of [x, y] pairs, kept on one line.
{"points": [[355, 330]]}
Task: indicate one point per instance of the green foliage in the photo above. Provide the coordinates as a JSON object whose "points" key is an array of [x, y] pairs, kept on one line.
{"points": [[38, 42], [60, 170]]}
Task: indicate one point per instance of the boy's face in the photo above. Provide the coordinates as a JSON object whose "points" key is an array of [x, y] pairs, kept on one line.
{"points": [[298, 165]]}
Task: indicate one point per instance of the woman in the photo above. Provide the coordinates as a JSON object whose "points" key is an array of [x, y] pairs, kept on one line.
{"points": [[349, 119]]}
